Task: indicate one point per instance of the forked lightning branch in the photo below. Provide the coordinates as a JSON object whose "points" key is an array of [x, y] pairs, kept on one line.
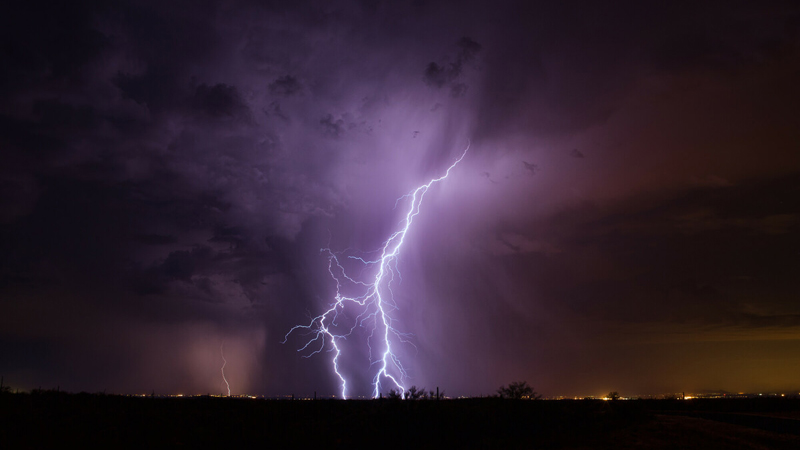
{"points": [[372, 305]]}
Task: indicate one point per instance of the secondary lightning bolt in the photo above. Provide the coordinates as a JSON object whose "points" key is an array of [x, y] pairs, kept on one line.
{"points": [[374, 301], [222, 369]]}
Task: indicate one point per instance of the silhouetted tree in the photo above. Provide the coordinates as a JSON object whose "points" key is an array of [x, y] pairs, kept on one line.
{"points": [[518, 390], [394, 395], [613, 395], [413, 393]]}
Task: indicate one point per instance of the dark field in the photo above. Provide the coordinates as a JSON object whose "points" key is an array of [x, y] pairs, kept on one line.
{"points": [[51, 419]]}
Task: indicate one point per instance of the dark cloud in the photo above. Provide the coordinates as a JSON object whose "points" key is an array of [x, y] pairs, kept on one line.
{"points": [[436, 75], [650, 253], [155, 239], [55, 115], [181, 265], [468, 49], [157, 88], [458, 90], [25, 137], [532, 168], [690, 51], [274, 109], [231, 235], [47, 43], [286, 85], [332, 127], [219, 101], [447, 73]]}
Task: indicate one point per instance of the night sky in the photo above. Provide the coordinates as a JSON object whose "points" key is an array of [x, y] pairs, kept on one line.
{"points": [[627, 217]]}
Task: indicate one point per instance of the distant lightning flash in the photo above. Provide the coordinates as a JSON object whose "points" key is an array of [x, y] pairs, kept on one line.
{"points": [[222, 369], [374, 303]]}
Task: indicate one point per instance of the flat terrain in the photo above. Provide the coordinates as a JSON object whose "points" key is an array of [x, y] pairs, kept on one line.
{"points": [[49, 419]]}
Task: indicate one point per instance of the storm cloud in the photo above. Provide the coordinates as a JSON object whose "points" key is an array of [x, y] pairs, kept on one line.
{"points": [[170, 172]]}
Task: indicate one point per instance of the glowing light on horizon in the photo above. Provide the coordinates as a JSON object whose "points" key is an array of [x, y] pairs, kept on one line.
{"points": [[374, 302]]}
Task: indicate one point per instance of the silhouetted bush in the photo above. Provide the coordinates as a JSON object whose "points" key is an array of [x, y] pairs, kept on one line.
{"points": [[518, 390]]}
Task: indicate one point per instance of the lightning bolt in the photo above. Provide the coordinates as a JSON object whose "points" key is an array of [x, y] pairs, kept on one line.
{"points": [[373, 301], [222, 369]]}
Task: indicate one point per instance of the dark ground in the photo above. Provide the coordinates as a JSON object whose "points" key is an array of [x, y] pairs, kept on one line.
{"points": [[47, 419]]}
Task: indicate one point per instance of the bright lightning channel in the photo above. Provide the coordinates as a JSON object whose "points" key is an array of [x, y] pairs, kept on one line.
{"points": [[222, 369], [374, 302]]}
